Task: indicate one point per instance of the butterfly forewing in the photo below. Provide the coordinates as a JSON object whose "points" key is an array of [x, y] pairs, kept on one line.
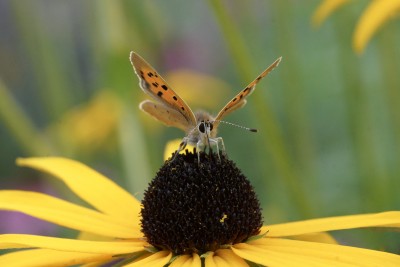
{"points": [[239, 100], [154, 85]]}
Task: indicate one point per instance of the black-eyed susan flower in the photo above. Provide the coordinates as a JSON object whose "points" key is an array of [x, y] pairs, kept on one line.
{"points": [[193, 214], [374, 17]]}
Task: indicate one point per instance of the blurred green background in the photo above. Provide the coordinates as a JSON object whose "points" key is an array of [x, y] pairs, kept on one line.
{"points": [[328, 119]]}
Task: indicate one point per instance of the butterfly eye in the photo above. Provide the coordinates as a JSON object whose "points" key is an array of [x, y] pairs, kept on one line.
{"points": [[202, 127], [211, 125]]}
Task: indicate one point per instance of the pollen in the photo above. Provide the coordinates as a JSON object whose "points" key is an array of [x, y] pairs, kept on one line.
{"points": [[224, 217], [193, 207]]}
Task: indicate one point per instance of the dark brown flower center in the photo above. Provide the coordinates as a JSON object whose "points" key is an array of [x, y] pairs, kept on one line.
{"points": [[198, 207]]}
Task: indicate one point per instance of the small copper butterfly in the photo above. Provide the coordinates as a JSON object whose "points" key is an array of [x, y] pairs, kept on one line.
{"points": [[200, 127]]}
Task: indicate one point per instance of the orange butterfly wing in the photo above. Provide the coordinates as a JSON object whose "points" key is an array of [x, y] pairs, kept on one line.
{"points": [[166, 115], [239, 100], [154, 85]]}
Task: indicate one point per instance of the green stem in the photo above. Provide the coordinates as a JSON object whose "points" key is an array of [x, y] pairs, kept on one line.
{"points": [[299, 129], [20, 126], [359, 122], [43, 54], [135, 156], [234, 41], [389, 59]]}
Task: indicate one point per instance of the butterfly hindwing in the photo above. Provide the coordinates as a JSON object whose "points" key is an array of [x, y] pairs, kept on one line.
{"points": [[154, 85], [166, 115]]}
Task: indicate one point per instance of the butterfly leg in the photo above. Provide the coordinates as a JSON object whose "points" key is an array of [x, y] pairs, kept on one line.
{"points": [[220, 140], [214, 142], [199, 147], [182, 146]]}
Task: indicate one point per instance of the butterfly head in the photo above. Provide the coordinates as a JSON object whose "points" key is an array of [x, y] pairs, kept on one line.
{"points": [[205, 123], [205, 127], [203, 130]]}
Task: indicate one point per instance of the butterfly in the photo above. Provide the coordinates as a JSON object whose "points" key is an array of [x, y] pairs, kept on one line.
{"points": [[200, 127]]}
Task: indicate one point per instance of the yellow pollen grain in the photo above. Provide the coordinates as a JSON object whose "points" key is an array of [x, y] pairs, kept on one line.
{"points": [[224, 217]]}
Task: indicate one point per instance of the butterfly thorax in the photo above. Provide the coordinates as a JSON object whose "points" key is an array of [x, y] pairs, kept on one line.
{"points": [[203, 130]]}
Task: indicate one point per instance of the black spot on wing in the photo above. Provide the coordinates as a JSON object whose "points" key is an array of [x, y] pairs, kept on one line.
{"points": [[164, 87], [175, 98], [150, 74], [160, 93], [234, 99], [245, 90], [155, 84], [183, 108]]}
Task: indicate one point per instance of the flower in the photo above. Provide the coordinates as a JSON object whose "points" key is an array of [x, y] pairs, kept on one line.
{"points": [[22, 223], [200, 85], [325, 9], [88, 127], [216, 222], [374, 16]]}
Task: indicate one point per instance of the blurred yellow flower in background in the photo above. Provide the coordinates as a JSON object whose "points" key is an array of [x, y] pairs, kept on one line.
{"points": [[199, 90], [374, 16], [91, 126], [325, 9]]}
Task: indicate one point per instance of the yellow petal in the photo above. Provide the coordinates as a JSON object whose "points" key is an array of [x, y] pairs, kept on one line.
{"points": [[284, 252], [187, 261], [92, 237], [63, 213], [48, 257], [396, 225], [383, 219], [96, 189], [224, 258], [375, 15], [325, 9], [316, 237], [96, 264], [158, 259], [9, 241], [173, 146]]}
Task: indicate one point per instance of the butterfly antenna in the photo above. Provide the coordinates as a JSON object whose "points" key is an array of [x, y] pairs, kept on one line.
{"points": [[239, 126]]}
